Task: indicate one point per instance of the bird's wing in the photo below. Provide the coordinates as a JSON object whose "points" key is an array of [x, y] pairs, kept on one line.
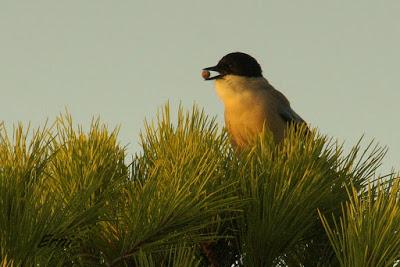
{"points": [[289, 115], [286, 113]]}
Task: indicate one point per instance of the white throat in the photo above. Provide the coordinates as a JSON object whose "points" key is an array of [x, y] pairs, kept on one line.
{"points": [[232, 88]]}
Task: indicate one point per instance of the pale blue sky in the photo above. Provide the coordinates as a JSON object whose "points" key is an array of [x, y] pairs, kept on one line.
{"points": [[337, 61]]}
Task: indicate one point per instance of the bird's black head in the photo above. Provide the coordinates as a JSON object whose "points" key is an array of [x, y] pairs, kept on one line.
{"points": [[236, 63]]}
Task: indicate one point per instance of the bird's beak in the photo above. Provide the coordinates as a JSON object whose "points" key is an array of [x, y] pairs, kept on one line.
{"points": [[216, 69]]}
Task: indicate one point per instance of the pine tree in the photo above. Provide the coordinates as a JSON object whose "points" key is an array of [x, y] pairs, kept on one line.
{"points": [[68, 198]]}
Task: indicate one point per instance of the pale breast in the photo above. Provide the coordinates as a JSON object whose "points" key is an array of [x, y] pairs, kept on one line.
{"points": [[248, 109]]}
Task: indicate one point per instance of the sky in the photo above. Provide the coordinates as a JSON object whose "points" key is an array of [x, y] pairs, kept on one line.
{"points": [[337, 61]]}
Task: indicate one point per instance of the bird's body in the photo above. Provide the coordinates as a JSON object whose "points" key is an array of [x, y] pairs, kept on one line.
{"points": [[250, 102]]}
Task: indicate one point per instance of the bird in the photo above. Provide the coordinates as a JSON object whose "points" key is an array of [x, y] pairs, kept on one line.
{"points": [[250, 102]]}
